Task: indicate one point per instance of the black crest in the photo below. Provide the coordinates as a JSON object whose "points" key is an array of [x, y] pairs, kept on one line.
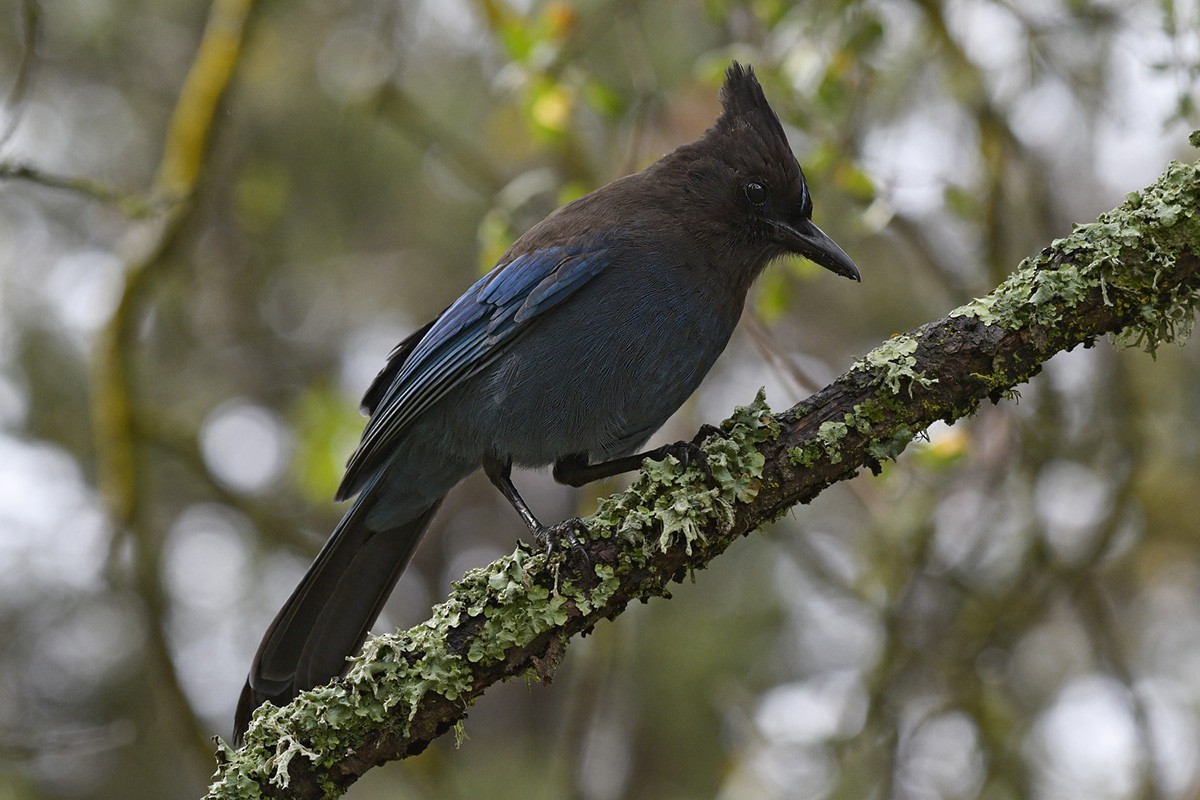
{"points": [[749, 119]]}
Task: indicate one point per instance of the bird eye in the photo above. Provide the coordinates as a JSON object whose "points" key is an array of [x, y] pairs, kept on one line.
{"points": [[756, 193]]}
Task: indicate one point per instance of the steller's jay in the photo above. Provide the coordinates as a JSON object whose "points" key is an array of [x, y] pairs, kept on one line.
{"points": [[589, 333]]}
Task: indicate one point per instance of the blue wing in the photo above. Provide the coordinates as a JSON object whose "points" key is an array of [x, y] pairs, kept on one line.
{"points": [[464, 339]]}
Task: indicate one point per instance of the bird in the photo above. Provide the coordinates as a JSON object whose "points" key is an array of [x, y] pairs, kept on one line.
{"points": [[592, 329]]}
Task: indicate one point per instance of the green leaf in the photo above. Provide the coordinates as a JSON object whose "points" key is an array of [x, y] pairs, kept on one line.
{"points": [[327, 428]]}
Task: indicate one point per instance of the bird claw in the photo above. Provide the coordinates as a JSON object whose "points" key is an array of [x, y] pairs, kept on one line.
{"points": [[705, 433], [688, 453], [552, 537]]}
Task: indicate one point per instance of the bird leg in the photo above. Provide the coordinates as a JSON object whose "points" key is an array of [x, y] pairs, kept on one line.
{"points": [[499, 472], [574, 470]]}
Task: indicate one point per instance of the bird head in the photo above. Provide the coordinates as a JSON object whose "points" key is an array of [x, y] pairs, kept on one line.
{"points": [[759, 175]]}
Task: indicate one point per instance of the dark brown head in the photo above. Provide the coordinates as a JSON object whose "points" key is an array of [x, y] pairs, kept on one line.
{"points": [[744, 164]]}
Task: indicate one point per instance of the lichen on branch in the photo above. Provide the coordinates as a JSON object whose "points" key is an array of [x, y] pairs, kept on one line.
{"points": [[1128, 254]]}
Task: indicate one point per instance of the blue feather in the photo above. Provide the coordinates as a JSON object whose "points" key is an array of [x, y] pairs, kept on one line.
{"points": [[468, 336], [571, 273]]}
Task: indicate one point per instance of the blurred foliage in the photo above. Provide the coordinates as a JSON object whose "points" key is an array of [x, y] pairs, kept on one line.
{"points": [[1009, 611]]}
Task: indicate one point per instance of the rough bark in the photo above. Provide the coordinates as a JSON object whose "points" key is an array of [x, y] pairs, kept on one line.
{"points": [[1134, 273]]}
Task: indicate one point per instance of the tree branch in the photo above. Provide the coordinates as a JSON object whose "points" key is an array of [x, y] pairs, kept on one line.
{"points": [[114, 415], [132, 205], [31, 16], [1135, 272]]}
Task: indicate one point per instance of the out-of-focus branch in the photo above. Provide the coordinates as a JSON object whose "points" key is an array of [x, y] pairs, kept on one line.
{"points": [[1135, 272], [113, 386], [780, 361], [416, 123], [134, 206], [999, 144], [1100, 621], [31, 16], [279, 529], [191, 125]]}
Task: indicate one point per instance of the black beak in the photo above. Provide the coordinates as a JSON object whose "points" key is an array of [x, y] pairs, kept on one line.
{"points": [[811, 242]]}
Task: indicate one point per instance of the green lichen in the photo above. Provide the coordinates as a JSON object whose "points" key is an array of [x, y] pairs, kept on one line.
{"points": [[599, 595], [893, 363], [861, 416], [865, 418], [528, 611], [804, 456], [1025, 298], [734, 458], [394, 673], [674, 505], [889, 446], [831, 434], [1124, 255], [826, 444]]}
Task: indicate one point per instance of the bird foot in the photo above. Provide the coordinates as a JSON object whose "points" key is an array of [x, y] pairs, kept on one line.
{"points": [[705, 433], [568, 533], [687, 453]]}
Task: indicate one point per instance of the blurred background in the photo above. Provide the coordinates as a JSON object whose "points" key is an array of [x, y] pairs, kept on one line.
{"points": [[1011, 611]]}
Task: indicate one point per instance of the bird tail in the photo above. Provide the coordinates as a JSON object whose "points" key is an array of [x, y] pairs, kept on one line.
{"points": [[331, 610]]}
